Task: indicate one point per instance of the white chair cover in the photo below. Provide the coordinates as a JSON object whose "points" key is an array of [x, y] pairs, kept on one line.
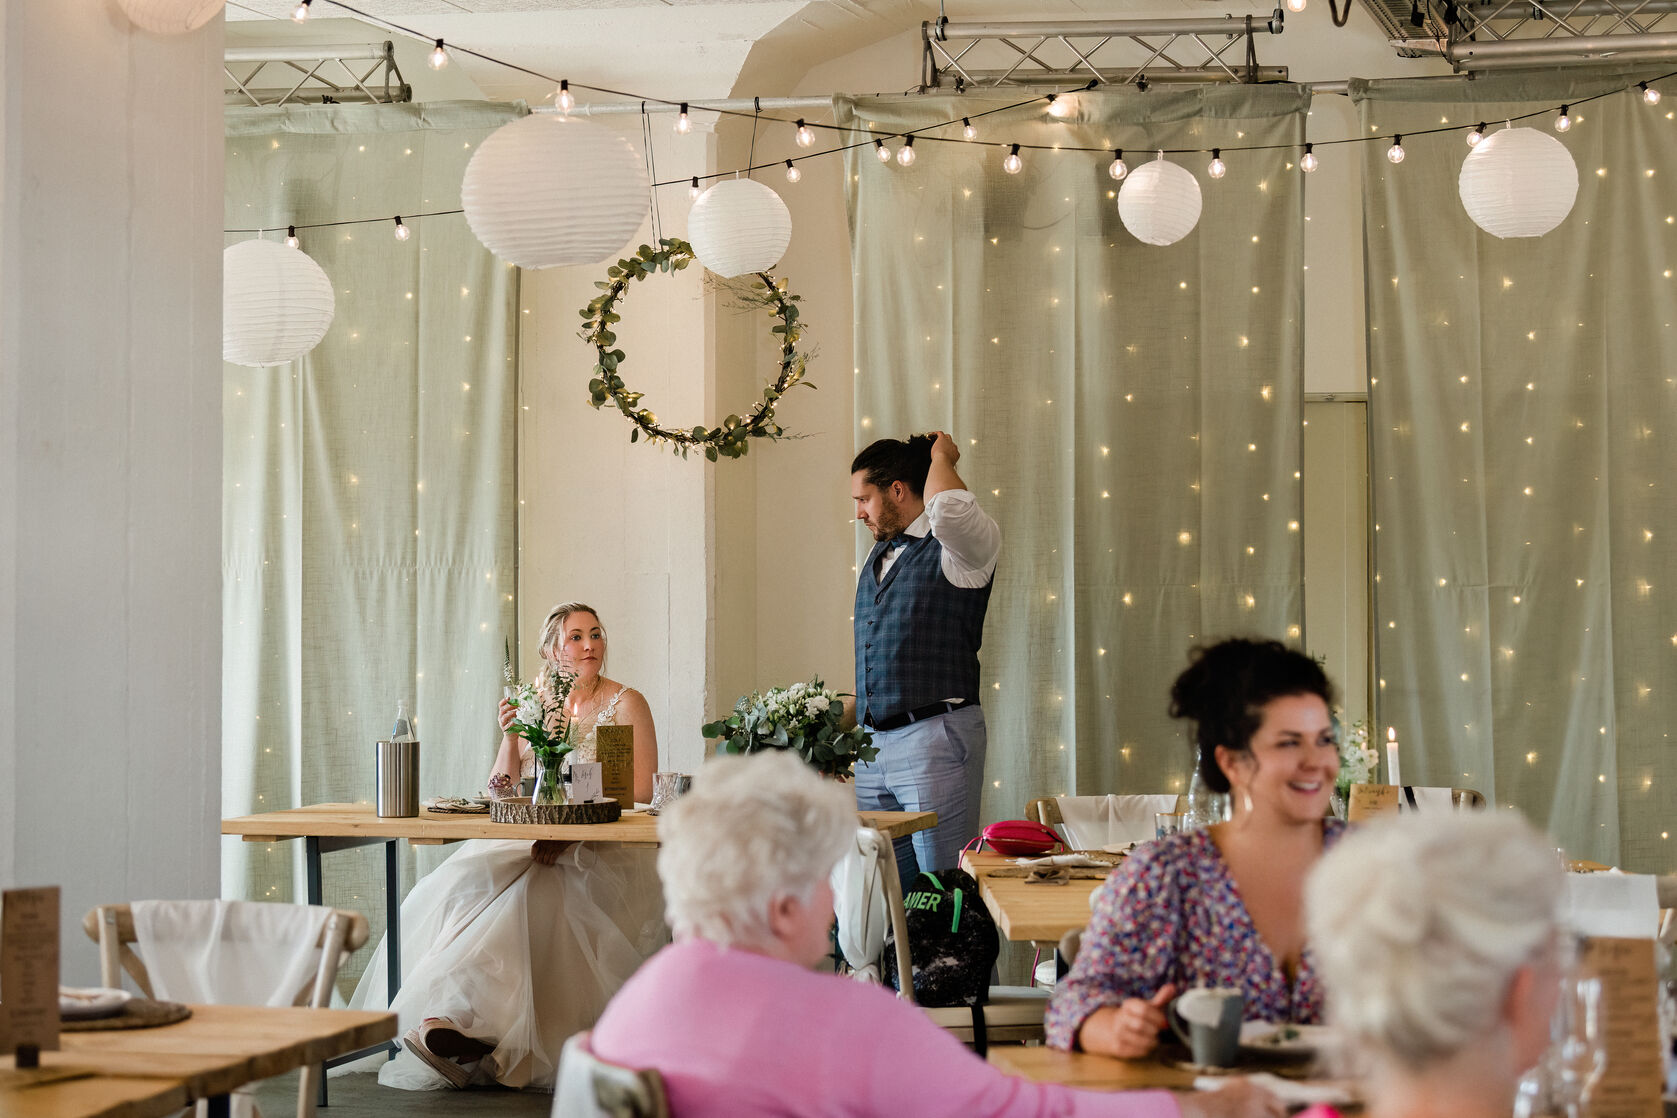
{"points": [[1429, 800], [859, 902], [1091, 822]]}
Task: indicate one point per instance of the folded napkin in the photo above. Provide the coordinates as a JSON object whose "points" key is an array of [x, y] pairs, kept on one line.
{"points": [[1293, 1092], [1053, 860], [1049, 875], [455, 805], [83, 1003]]}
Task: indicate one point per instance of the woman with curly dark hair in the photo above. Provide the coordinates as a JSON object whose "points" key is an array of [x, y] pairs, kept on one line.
{"points": [[1222, 906]]}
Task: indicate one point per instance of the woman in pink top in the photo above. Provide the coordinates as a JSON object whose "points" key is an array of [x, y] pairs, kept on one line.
{"points": [[739, 1025]]}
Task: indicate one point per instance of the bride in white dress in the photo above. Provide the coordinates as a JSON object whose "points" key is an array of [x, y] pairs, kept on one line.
{"points": [[509, 947]]}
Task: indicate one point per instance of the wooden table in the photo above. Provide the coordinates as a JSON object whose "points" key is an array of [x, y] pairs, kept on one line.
{"points": [[1042, 913], [1103, 1073], [218, 1048]]}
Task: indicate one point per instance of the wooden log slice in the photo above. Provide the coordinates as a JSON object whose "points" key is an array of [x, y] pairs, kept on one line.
{"points": [[519, 809]]}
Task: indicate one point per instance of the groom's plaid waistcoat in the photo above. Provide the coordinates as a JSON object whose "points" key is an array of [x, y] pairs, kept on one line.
{"points": [[917, 633]]}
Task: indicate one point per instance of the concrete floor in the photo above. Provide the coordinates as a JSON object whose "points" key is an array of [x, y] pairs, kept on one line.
{"points": [[360, 1096]]}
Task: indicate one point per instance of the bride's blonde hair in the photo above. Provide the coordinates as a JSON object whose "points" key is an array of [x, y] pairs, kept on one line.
{"points": [[554, 628]]}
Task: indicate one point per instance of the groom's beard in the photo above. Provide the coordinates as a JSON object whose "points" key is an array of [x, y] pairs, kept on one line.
{"points": [[890, 522]]}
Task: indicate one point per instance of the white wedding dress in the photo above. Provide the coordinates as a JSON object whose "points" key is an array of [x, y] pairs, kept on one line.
{"points": [[519, 955]]}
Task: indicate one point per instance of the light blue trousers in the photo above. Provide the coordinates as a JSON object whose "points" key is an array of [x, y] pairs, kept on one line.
{"points": [[935, 765]]}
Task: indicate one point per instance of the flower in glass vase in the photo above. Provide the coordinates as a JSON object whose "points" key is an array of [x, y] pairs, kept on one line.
{"points": [[806, 718], [542, 722], [1358, 760]]}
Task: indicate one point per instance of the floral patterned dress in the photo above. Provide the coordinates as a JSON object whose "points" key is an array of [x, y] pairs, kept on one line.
{"points": [[1173, 914]]}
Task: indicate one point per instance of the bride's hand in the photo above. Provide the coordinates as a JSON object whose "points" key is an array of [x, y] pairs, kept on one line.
{"points": [[508, 714], [545, 852]]}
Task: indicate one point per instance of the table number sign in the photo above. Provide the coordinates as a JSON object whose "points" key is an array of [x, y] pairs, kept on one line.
{"points": [[1630, 1087], [615, 748], [1371, 800], [29, 969]]}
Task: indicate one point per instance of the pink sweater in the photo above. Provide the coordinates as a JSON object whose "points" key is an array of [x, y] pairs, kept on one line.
{"points": [[740, 1035]]}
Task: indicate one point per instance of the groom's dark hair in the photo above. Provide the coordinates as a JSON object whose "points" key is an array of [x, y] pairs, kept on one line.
{"points": [[905, 460]]}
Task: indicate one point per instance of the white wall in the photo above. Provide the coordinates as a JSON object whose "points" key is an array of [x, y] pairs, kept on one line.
{"points": [[110, 488]]}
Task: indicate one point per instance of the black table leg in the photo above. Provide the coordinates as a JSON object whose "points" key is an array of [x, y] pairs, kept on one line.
{"points": [[311, 866], [392, 925]]}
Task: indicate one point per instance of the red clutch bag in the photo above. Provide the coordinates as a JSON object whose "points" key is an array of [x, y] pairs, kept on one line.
{"points": [[1019, 838]]}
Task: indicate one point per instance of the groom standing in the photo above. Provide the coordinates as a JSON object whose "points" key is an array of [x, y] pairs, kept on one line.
{"points": [[920, 603]]}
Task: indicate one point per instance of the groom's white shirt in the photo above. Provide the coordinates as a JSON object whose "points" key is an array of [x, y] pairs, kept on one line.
{"points": [[971, 539]]}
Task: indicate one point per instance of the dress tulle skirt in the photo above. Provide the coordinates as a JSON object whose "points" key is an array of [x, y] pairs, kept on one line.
{"points": [[517, 954]]}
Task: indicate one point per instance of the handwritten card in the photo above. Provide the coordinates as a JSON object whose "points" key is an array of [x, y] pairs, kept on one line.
{"points": [[1371, 800], [616, 751], [29, 968], [586, 782], [1630, 1087]]}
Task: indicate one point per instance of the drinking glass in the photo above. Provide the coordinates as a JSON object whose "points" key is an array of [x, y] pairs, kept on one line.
{"points": [[1579, 1051], [1166, 823]]}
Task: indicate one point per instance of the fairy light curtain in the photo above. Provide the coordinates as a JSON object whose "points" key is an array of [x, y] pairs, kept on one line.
{"points": [[368, 503], [1522, 407], [1129, 414]]}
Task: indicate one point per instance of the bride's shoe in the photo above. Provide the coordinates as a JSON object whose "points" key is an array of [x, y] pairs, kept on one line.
{"points": [[440, 1045]]}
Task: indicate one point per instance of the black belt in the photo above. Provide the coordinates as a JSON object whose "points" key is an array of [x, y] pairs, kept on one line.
{"points": [[919, 714]]}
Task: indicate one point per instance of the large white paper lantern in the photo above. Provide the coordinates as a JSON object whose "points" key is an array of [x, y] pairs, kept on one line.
{"points": [[170, 17], [276, 303], [549, 190], [1159, 202], [1518, 182], [739, 226]]}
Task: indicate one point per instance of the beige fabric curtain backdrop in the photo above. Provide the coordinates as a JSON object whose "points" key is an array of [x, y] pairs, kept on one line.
{"points": [[368, 534], [1129, 414], [1522, 410]]}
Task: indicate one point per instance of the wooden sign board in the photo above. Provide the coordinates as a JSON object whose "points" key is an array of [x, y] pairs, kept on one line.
{"points": [[1630, 1087], [615, 748], [1371, 800], [29, 969]]}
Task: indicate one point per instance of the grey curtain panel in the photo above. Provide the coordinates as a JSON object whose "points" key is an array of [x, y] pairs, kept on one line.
{"points": [[1522, 407], [1129, 414], [368, 533]]}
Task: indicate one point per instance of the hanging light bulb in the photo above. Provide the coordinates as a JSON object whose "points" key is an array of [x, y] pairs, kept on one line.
{"points": [[881, 152], [1649, 93], [1563, 122], [1476, 135], [1308, 162], [1061, 107], [1295, 5], [566, 101], [968, 131], [291, 240], [1117, 169], [439, 56], [1012, 164], [683, 123], [693, 187], [906, 155], [804, 135], [301, 11], [1217, 168], [402, 231], [792, 172], [1395, 152]]}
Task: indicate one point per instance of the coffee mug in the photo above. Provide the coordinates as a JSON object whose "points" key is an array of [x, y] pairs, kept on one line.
{"points": [[1207, 1019], [667, 786]]}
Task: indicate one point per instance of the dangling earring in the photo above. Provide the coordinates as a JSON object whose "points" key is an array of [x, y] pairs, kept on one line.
{"points": [[1246, 797]]}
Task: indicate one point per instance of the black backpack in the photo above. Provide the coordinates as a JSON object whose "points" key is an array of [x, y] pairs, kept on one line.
{"points": [[952, 941]]}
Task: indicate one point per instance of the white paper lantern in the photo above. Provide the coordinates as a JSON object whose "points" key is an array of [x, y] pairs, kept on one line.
{"points": [[1519, 182], [739, 226], [170, 17], [549, 191], [1159, 202], [276, 303]]}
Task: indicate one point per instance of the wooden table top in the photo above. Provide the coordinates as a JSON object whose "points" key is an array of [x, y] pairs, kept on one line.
{"points": [[1042, 913], [430, 828], [1092, 1073], [98, 1096], [218, 1048]]}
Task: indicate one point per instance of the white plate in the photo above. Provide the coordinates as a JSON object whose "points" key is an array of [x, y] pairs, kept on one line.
{"points": [[84, 1003], [1286, 1040]]}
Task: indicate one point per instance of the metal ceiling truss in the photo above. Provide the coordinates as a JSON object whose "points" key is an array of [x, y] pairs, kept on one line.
{"points": [[1111, 52], [315, 75], [1480, 35]]}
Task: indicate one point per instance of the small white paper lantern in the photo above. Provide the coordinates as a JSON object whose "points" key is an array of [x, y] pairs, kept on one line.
{"points": [[739, 226], [170, 17], [276, 303], [1518, 182], [1159, 202], [549, 191]]}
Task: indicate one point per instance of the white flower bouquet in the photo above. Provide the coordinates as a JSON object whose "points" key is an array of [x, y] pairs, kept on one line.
{"points": [[541, 721], [806, 718], [1359, 762]]}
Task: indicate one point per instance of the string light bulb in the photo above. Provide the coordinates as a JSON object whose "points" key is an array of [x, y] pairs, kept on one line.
{"points": [[1060, 108], [905, 156], [683, 123], [1117, 169], [1476, 135], [1650, 95], [1217, 168], [566, 100], [804, 135], [1395, 152], [1295, 6], [792, 172], [402, 231], [693, 187], [1308, 161], [291, 240], [1012, 164], [1563, 123], [881, 152], [301, 11], [439, 56], [968, 130]]}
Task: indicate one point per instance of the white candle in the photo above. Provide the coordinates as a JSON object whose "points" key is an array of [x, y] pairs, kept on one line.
{"points": [[1392, 774]]}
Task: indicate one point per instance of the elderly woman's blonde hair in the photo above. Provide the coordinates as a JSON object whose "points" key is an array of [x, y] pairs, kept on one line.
{"points": [[752, 830], [1418, 925]]}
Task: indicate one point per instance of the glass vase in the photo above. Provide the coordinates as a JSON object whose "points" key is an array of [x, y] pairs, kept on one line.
{"points": [[550, 784]]}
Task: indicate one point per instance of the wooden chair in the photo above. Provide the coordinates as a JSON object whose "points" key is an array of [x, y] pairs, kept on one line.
{"points": [[590, 1087], [112, 928]]}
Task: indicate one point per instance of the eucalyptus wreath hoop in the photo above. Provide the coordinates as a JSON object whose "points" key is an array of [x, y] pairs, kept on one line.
{"points": [[733, 438]]}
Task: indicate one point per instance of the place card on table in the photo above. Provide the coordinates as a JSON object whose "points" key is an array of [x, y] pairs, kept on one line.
{"points": [[1371, 800], [1630, 1087], [1613, 904], [29, 969], [587, 783], [615, 748]]}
